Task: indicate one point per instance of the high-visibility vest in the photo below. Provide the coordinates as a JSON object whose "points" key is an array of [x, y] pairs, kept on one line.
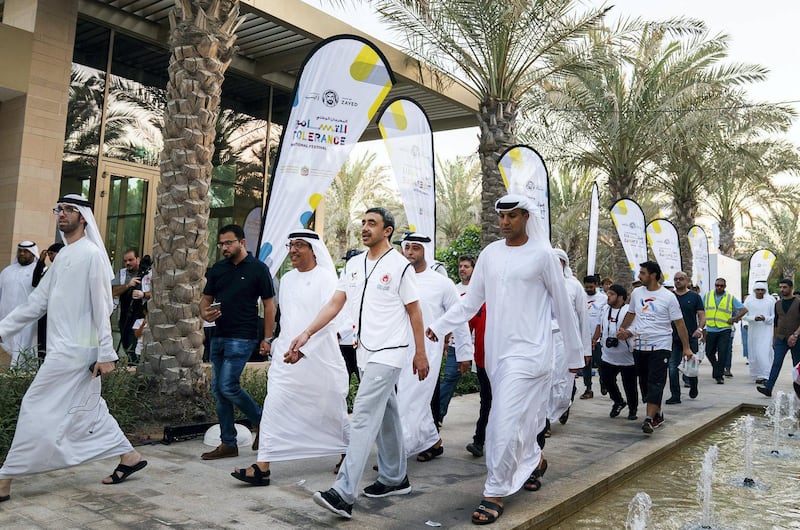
{"points": [[717, 315]]}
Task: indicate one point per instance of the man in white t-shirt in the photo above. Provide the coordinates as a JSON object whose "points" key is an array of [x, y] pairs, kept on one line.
{"points": [[595, 304], [380, 287], [655, 309]]}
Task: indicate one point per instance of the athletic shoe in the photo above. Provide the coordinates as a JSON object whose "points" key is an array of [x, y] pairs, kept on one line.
{"points": [[658, 421], [647, 426], [728, 373], [673, 401], [331, 500], [764, 390], [720, 381], [617, 408], [588, 394], [475, 449], [761, 381], [632, 416], [693, 392], [379, 489], [563, 418]]}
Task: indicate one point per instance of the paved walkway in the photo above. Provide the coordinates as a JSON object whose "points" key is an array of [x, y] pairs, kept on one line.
{"points": [[587, 456]]}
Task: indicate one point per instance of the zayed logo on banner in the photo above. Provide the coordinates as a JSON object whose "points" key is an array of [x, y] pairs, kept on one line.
{"points": [[663, 239], [407, 135], [698, 242], [628, 218], [342, 84], [761, 263], [524, 173]]}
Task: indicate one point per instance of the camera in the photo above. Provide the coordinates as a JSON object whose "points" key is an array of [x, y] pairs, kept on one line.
{"points": [[612, 342]]}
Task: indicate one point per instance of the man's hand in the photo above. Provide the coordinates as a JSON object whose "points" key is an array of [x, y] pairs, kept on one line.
{"points": [[264, 348], [574, 370], [687, 353], [624, 334], [464, 366], [759, 318], [431, 335], [210, 314], [292, 357], [103, 368], [792, 340], [298, 342], [697, 333], [137, 294], [135, 282], [421, 365]]}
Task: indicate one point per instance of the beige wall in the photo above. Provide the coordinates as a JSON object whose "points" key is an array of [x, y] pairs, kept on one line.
{"points": [[32, 128]]}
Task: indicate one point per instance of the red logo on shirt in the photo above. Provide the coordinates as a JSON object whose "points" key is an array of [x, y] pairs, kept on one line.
{"points": [[386, 279]]}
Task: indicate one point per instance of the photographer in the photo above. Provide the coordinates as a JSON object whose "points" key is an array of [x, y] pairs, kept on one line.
{"points": [[131, 290], [616, 357]]}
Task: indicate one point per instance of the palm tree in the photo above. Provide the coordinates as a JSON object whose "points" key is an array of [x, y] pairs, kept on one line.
{"points": [[458, 185], [779, 231], [500, 51], [202, 35], [647, 80]]}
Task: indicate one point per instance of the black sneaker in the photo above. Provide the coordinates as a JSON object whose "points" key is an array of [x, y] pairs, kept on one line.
{"points": [[647, 426], [475, 449], [693, 392], [658, 421], [616, 408], [563, 418], [332, 501], [382, 490], [764, 390], [673, 401], [632, 415]]}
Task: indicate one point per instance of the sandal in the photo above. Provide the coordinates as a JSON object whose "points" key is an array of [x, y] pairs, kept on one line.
{"points": [[534, 483], [430, 454], [125, 471], [338, 466], [259, 478], [483, 508]]}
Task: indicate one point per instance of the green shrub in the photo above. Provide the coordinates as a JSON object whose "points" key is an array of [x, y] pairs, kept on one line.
{"points": [[469, 243], [13, 384], [255, 383]]}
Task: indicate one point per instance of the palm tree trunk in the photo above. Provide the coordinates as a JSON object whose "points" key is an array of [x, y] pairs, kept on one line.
{"points": [[684, 212], [727, 243], [497, 123], [201, 45]]}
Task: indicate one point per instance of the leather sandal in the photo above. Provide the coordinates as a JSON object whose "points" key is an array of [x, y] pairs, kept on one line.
{"points": [[259, 478], [534, 483], [430, 454], [125, 471], [483, 509]]}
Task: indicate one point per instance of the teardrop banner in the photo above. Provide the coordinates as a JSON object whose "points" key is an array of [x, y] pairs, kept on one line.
{"points": [[663, 239], [629, 221], [407, 135], [594, 227], [524, 173], [698, 243], [761, 263], [339, 89]]}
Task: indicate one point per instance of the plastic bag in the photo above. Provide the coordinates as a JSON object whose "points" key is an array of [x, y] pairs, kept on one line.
{"points": [[691, 367], [701, 351]]}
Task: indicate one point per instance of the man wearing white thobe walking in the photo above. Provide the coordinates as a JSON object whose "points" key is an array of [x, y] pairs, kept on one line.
{"points": [[16, 285], [760, 317], [521, 281]]}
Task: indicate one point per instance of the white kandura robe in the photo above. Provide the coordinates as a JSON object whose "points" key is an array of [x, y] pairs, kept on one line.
{"points": [[305, 410], [759, 335], [15, 288], [523, 287], [562, 380], [436, 295], [63, 420]]}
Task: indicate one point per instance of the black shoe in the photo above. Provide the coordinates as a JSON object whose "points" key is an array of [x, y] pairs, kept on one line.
{"points": [[632, 416], [761, 381], [332, 501], [673, 401], [475, 449], [764, 390], [728, 373], [603, 390], [563, 418], [378, 489], [647, 426], [720, 381], [693, 392], [617, 408]]}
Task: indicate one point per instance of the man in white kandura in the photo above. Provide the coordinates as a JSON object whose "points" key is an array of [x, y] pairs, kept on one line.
{"points": [[16, 285], [760, 317], [436, 295], [305, 411], [521, 281], [63, 420]]}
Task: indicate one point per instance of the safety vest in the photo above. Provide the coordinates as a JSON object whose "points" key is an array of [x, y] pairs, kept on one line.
{"points": [[717, 315]]}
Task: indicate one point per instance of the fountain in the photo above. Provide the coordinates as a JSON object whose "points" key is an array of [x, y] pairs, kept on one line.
{"points": [[747, 435], [704, 485], [775, 413], [791, 414], [638, 512]]}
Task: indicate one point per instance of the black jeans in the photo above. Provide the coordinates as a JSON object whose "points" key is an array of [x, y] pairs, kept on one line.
{"points": [[718, 348], [594, 361], [609, 374], [651, 369], [486, 406]]}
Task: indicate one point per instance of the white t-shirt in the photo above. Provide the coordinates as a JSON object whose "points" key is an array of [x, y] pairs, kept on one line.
{"points": [[377, 293], [595, 307], [609, 323], [655, 311]]}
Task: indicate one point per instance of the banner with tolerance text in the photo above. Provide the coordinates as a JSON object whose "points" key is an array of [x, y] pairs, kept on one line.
{"points": [[524, 173], [340, 87], [628, 219], [406, 132], [663, 239], [698, 242], [761, 263]]}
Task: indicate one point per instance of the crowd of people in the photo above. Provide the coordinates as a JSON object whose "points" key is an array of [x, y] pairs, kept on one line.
{"points": [[519, 316]]}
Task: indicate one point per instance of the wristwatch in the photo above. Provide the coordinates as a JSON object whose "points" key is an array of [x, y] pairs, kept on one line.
{"points": [[269, 340]]}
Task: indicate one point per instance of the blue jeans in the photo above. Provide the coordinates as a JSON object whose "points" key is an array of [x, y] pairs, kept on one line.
{"points": [[228, 358], [744, 342], [780, 347], [448, 384]]}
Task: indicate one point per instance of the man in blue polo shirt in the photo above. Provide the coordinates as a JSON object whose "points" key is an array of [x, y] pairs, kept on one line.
{"points": [[722, 311], [235, 283]]}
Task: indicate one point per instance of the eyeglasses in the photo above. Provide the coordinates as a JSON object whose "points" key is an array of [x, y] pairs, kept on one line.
{"points": [[297, 245], [227, 243], [66, 209], [719, 285]]}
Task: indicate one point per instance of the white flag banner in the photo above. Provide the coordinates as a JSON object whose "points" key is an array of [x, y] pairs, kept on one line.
{"points": [[761, 263], [663, 239], [628, 218], [594, 227], [698, 243], [524, 173], [408, 138], [341, 86]]}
